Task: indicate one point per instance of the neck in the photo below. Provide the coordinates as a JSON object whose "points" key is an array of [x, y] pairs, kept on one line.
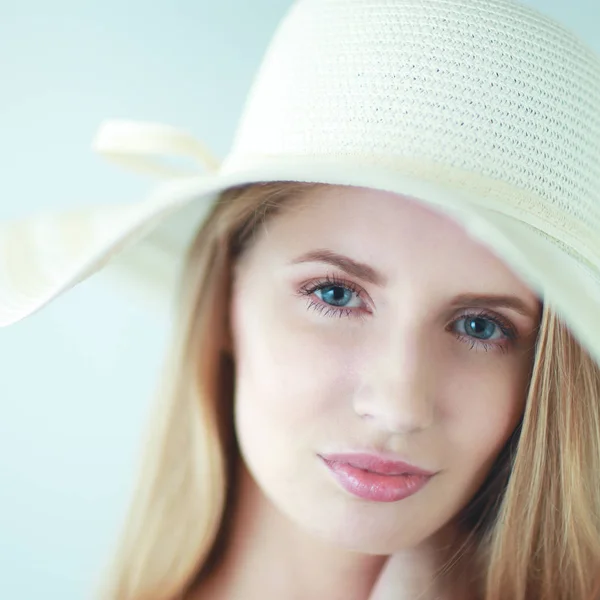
{"points": [[267, 556]]}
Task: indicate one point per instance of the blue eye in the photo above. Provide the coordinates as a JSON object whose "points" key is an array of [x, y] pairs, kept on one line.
{"points": [[339, 296], [335, 298], [480, 328], [335, 295], [484, 331]]}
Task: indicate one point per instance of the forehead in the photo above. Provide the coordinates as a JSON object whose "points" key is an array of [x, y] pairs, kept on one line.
{"points": [[361, 208]]}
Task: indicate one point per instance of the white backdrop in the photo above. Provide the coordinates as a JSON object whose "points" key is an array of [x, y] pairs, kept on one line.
{"points": [[75, 380]]}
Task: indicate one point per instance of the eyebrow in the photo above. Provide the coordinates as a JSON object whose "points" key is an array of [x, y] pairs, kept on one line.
{"points": [[496, 301], [346, 264]]}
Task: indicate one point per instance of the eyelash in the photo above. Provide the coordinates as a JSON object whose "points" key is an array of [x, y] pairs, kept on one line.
{"points": [[327, 310]]}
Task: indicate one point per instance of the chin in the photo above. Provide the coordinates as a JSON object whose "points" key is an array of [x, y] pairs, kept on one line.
{"points": [[363, 533], [363, 541]]}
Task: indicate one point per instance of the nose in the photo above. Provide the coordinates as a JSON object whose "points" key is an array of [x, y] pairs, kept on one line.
{"points": [[396, 392]]}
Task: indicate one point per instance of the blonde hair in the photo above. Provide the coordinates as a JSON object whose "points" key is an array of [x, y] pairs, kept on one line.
{"points": [[534, 527]]}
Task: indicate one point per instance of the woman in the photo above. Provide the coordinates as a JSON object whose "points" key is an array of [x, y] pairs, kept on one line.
{"points": [[384, 380]]}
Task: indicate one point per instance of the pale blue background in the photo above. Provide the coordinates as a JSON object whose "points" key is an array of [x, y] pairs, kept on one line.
{"points": [[74, 380]]}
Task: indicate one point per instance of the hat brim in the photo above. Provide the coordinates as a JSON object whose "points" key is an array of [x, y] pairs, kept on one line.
{"points": [[44, 256]]}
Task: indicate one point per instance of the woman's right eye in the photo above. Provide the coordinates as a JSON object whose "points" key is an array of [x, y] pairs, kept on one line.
{"points": [[338, 296], [334, 298]]}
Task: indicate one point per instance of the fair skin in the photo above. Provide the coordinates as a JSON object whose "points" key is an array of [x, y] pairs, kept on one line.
{"points": [[413, 359]]}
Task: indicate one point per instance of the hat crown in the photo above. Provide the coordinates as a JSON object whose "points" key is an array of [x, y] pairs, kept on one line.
{"points": [[485, 88]]}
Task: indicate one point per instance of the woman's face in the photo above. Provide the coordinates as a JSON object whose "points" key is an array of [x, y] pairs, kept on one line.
{"points": [[366, 324]]}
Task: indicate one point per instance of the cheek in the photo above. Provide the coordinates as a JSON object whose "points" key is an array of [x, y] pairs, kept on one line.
{"points": [[289, 377], [483, 406]]}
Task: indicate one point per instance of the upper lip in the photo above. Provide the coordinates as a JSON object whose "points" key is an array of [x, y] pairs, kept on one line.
{"points": [[377, 464]]}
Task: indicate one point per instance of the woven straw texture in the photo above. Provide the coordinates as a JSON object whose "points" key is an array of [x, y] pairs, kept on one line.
{"points": [[487, 88]]}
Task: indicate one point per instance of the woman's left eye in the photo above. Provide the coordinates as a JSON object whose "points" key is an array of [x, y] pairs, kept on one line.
{"points": [[484, 331], [480, 328]]}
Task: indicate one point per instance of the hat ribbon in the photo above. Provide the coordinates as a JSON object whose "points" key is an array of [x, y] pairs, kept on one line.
{"points": [[152, 148]]}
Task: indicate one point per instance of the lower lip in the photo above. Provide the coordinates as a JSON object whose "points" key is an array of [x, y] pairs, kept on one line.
{"points": [[375, 486]]}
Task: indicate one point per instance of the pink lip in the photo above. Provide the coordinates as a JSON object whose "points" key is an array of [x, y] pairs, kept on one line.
{"points": [[371, 477]]}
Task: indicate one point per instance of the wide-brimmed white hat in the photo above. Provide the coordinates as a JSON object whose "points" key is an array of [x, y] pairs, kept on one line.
{"points": [[485, 109]]}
